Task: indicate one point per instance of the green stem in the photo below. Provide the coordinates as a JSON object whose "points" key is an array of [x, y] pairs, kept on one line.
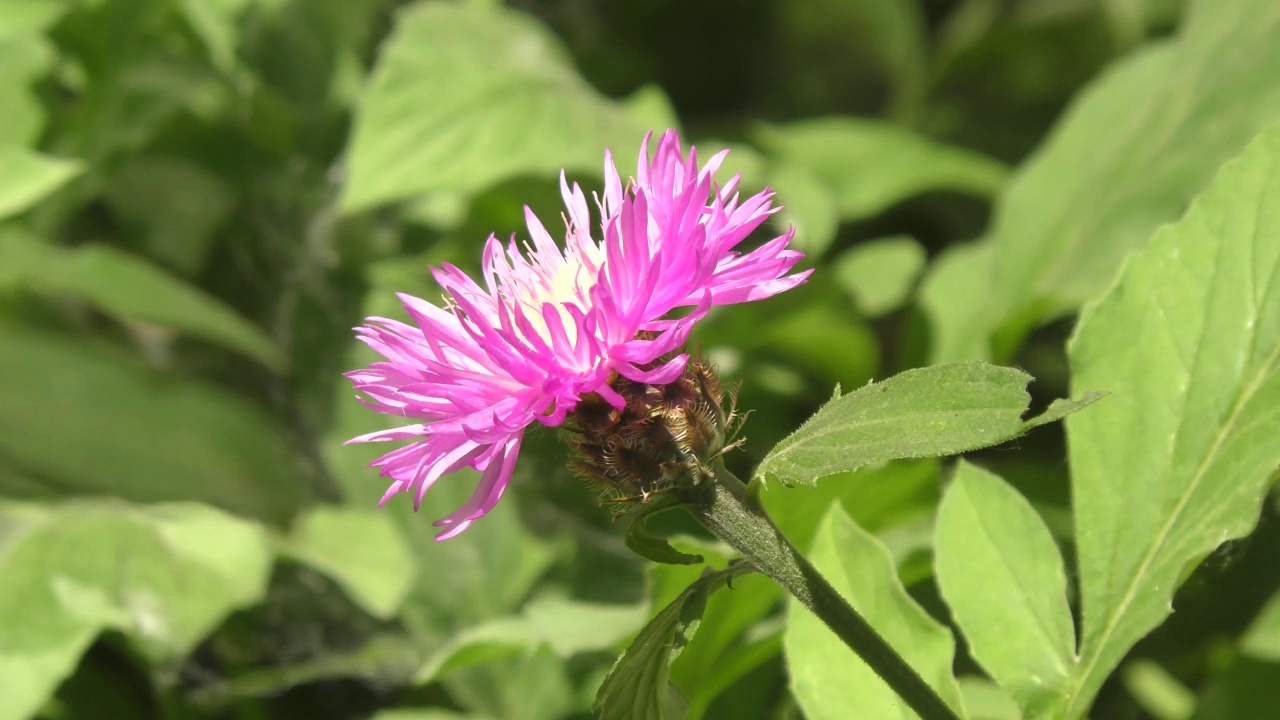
{"points": [[724, 509]]}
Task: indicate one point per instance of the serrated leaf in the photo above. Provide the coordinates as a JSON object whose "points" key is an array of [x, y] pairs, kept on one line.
{"points": [[637, 687], [164, 575], [1176, 462], [827, 678], [1129, 155], [363, 550], [1002, 576], [466, 95], [27, 176], [129, 288], [928, 412], [871, 165], [88, 420], [879, 274]]}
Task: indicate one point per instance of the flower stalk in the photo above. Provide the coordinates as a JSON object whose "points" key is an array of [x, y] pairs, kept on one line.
{"points": [[723, 507]]}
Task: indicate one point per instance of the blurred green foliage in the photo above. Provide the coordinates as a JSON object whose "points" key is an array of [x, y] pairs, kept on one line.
{"points": [[199, 199]]}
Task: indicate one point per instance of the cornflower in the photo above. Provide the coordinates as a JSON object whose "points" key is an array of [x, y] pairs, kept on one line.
{"points": [[550, 327]]}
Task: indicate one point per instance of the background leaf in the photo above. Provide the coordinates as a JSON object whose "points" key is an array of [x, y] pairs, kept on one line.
{"points": [[503, 101], [29, 176], [880, 274], [1002, 577], [165, 574], [826, 676], [129, 288], [1176, 462]]}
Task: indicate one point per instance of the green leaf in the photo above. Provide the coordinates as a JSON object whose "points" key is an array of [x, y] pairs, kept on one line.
{"points": [[827, 678], [1002, 576], [86, 419], [939, 410], [1159, 693], [129, 288], [464, 96], [807, 204], [954, 295], [655, 548], [1176, 462], [984, 700], [880, 274], [637, 687], [1262, 639], [28, 17], [29, 176], [25, 58], [870, 166], [362, 550], [165, 575], [1129, 155]]}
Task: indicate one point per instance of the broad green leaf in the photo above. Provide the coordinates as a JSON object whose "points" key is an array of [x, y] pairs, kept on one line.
{"points": [[827, 678], [89, 420], [570, 626], [954, 295], [25, 58], [984, 700], [362, 550], [27, 176], [870, 165], [1262, 639], [807, 204], [1002, 576], [129, 288], [1129, 155], [484, 643], [28, 17], [637, 687], [534, 686], [1159, 693], [465, 96], [1176, 462], [879, 274], [939, 410], [164, 575]]}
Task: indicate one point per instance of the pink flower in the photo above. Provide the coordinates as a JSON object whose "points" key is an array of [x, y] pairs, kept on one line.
{"points": [[549, 326]]}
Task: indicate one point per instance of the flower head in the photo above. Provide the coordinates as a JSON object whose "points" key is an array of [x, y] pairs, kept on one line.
{"points": [[550, 326]]}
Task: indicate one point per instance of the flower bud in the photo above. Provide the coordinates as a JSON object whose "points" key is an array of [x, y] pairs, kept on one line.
{"points": [[661, 440]]}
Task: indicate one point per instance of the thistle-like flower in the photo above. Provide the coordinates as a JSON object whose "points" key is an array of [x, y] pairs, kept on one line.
{"points": [[551, 328]]}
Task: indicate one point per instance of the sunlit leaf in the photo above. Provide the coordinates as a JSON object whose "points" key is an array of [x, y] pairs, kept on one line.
{"points": [[827, 678], [939, 410], [1002, 577], [362, 549], [464, 96], [164, 575], [870, 165], [879, 274], [27, 176], [1176, 461], [637, 688], [1133, 150]]}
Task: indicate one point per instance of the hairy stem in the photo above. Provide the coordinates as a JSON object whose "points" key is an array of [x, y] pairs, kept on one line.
{"points": [[722, 506]]}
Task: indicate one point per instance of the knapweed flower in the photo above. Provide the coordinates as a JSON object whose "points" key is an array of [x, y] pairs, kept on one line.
{"points": [[547, 327]]}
